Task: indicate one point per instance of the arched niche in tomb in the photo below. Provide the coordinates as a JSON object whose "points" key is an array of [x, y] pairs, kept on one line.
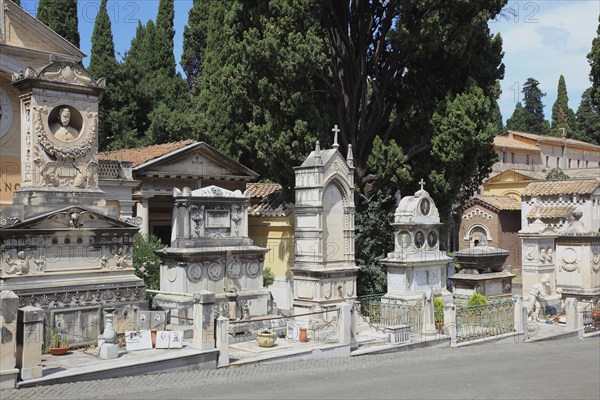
{"points": [[333, 224]]}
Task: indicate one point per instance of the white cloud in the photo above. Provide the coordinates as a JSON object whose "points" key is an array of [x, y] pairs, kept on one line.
{"points": [[543, 40]]}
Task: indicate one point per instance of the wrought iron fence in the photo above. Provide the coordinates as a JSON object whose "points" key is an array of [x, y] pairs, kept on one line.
{"points": [[488, 320], [591, 317], [379, 314], [321, 326]]}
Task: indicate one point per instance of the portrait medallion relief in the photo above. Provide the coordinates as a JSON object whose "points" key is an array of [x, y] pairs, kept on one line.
{"points": [[404, 239], [432, 239], [425, 207], [65, 123], [419, 239], [194, 273]]}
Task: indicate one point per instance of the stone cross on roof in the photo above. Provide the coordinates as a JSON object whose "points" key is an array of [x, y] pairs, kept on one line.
{"points": [[422, 183], [335, 131]]}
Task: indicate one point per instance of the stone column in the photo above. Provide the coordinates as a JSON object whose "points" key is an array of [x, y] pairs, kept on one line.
{"points": [[520, 318], [574, 320], [29, 342], [9, 304], [345, 324], [204, 334], [428, 315], [223, 341], [143, 211], [450, 322]]}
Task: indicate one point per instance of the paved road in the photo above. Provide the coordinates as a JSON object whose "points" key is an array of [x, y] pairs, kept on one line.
{"points": [[562, 369]]}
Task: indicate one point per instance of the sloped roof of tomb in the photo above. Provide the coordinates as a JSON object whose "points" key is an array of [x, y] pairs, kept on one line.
{"points": [[159, 157], [266, 200], [549, 212], [24, 33], [513, 175], [73, 217], [537, 140], [495, 203], [562, 187], [325, 155], [209, 191]]}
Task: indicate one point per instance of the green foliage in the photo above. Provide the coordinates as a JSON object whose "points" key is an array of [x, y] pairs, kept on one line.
{"points": [[594, 60], [477, 299], [58, 339], [462, 146], [387, 167], [588, 120], [517, 121], [562, 116], [556, 174], [374, 239], [438, 309], [146, 263], [395, 63], [61, 17], [259, 94], [268, 277], [534, 108], [194, 42]]}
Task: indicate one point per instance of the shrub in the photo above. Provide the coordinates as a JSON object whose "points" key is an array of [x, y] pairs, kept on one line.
{"points": [[438, 309], [477, 299], [146, 263], [268, 277]]}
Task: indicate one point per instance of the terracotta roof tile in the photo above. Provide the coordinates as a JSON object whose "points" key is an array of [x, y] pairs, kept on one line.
{"points": [[141, 155], [498, 203], [553, 139], [553, 188], [268, 200], [545, 212], [261, 189], [504, 141]]}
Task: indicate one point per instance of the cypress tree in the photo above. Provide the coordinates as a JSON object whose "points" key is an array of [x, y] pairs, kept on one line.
{"points": [[517, 121], [562, 115], [164, 34], [194, 42], [61, 17], [104, 64], [102, 60], [588, 120], [594, 60], [534, 116]]}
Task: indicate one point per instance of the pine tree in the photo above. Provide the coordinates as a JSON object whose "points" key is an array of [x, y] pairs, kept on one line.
{"points": [[517, 121], [588, 120], [562, 116], [534, 116], [61, 17]]}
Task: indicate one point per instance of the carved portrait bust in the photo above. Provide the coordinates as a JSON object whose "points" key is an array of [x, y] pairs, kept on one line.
{"points": [[63, 126]]}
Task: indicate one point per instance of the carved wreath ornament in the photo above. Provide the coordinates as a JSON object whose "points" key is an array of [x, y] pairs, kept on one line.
{"points": [[65, 152]]}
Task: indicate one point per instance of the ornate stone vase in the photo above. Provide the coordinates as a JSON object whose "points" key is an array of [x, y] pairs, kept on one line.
{"points": [[266, 339]]}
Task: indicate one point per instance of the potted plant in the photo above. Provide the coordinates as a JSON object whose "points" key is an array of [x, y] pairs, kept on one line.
{"points": [[59, 344], [475, 315], [438, 313], [266, 338]]}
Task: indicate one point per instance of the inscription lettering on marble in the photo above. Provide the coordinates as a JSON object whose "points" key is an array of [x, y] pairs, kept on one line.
{"points": [[396, 283], [421, 278], [218, 219]]}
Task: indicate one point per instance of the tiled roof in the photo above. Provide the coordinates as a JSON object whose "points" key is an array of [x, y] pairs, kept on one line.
{"points": [[271, 203], [498, 203], [553, 139], [142, 155], [261, 189], [582, 173], [553, 188], [563, 211], [505, 141]]}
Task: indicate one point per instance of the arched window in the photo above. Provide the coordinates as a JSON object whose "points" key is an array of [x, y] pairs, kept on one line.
{"points": [[478, 235]]}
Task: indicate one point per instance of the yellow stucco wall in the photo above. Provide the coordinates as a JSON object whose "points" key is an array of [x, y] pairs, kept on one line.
{"points": [[276, 234]]}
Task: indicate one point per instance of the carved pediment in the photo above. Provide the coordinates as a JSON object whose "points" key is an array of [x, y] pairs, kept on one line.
{"points": [[194, 164], [72, 218], [64, 72]]}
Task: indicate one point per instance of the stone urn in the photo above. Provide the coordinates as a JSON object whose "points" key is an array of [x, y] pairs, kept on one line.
{"points": [[109, 333], [266, 338]]}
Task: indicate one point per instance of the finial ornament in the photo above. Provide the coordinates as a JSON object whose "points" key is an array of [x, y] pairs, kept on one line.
{"points": [[335, 131], [422, 183]]}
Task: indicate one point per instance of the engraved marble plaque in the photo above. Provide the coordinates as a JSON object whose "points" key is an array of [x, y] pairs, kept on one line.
{"points": [[218, 219]]}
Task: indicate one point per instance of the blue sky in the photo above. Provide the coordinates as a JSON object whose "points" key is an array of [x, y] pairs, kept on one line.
{"points": [[542, 39]]}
